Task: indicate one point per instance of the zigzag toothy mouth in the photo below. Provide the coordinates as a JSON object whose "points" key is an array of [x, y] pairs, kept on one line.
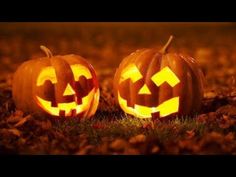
{"points": [[65, 109], [166, 108]]}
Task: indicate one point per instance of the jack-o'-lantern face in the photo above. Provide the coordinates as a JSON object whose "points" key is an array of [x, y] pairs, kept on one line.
{"points": [[68, 96], [56, 85], [144, 88]]}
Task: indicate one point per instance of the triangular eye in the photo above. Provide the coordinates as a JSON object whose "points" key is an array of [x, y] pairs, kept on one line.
{"points": [[131, 72], [144, 90], [69, 90], [165, 75]]}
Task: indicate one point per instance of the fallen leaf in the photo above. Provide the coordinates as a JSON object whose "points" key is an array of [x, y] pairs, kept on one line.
{"points": [[190, 134], [155, 150], [103, 148], [83, 143], [131, 151], [13, 131], [18, 113], [229, 137], [44, 139], [14, 119], [226, 122], [202, 118], [22, 121], [210, 95], [46, 125], [118, 144], [227, 110], [214, 136], [85, 150], [137, 139]]}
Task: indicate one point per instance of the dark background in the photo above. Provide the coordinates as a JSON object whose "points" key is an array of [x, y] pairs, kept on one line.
{"points": [[105, 44]]}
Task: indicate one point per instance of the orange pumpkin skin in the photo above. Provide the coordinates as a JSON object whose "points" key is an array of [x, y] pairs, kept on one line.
{"points": [[68, 83], [188, 91]]}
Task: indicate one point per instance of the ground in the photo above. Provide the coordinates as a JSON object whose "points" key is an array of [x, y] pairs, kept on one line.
{"points": [[111, 131]]}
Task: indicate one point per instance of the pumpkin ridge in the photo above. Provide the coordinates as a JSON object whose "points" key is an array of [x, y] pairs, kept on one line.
{"points": [[32, 94], [133, 89], [39, 65], [196, 82], [164, 62], [191, 90], [149, 70], [179, 90], [174, 87], [67, 77], [82, 61], [90, 110]]}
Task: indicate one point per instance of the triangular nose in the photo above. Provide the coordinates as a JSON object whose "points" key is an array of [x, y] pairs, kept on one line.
{"points": [[144, 90], [69, 90]]}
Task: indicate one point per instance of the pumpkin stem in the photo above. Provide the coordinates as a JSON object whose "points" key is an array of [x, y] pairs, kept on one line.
{"points": [[167, 45], [46, 51]]}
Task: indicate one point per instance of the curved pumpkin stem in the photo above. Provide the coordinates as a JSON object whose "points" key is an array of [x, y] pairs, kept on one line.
{"points": [[46, 51], [167, 45]]}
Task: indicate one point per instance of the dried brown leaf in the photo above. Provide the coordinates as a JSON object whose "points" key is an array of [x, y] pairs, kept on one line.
{"points": [[85, 150], [137, 139], [46, 125], [15, 132], [131, 151], [118, 144], [12, 131], [190, 134], [22, 121], [13, 119], [155, 149]]}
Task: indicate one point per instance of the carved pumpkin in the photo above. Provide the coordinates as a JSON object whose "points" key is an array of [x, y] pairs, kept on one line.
{"points": [[63, 86], [153, 83]]}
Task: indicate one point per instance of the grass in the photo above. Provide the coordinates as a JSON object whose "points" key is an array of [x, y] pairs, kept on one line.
{"points": [[127, 126], [105, 52]]}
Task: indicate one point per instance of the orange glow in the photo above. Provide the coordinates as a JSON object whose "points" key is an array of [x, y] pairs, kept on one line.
{"points": [[144, 90], [169, 107], [166, 108], [165, 75], [69, 90], [48, 73], [68, 107], [80, 70], [94, 104], [131, 72]]}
